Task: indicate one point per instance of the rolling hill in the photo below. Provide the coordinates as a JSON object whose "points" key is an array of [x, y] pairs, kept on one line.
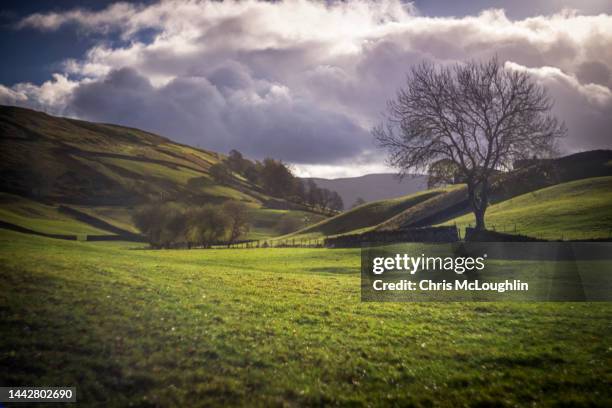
{"points": [[366, 216], [540, 174], [103, 171], [72, 161], [65, 176], [383, 214], [575, 210], [549, 190]]}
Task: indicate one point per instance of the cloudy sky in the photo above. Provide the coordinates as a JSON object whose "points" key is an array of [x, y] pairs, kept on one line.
{"points": [[299, 80]]}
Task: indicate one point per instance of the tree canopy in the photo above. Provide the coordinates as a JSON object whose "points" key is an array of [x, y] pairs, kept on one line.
{"points": [[479, 116]]}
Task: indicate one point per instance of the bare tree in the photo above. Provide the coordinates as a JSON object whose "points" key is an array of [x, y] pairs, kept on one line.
{"points": [[478, 115]]}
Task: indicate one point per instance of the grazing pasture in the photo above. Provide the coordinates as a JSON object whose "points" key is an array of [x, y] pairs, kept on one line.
{"points": [[277, 327]]}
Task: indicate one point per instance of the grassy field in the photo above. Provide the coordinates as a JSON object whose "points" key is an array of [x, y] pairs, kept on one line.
{"points": [[48, 219], [41, 218], [277, 327], [573, 210]]}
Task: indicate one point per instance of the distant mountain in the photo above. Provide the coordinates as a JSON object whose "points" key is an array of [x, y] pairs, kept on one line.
{"points": [[373, 187]]}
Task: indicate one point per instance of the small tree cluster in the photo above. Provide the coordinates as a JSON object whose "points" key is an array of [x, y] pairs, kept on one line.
{"points": [[168, 225], [220, 173], [277, 180], [322, 198]]}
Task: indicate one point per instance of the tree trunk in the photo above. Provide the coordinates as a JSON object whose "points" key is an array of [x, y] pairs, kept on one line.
{"points": [[480, 221], [479, 199]]}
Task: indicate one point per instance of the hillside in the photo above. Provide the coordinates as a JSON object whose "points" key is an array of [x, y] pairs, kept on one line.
{"points": [[449, 205], [573, 210], [72, 161], [373, 187], [366, 216], [104, 171], [44, 218], [505, 186], [65, 176]]}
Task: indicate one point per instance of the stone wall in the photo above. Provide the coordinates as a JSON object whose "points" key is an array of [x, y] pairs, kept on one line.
{"points": [[474, 235], [429, 234]]}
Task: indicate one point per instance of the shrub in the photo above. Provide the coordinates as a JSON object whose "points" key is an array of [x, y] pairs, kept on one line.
{"points": [[238, 216], [220, 173], [206, 226], [162, 224]]}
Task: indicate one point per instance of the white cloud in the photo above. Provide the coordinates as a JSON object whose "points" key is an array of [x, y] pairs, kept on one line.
{"points": [[116, 15], [305, 80], [593, 94], [51, 96]]}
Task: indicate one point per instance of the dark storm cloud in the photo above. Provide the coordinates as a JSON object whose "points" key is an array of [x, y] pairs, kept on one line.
{"points": [[222, 113]]}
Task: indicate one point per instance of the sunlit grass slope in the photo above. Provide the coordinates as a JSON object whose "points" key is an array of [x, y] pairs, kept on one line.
{"points": [[366, 216], [574, 210], [505, 186], [106, 171], [277, 327], [39, 217], [117, 216], [78, 162], [265, 222]]}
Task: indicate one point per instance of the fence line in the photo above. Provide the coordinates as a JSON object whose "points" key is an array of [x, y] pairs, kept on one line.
{"points": [[516, 229], [278, 243], [507, 228]]}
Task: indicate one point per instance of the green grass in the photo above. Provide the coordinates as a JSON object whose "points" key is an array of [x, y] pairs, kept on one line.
{"points": [[264, 221], [177, 175], [277, 327], [120, 217], [436, 206], [574, 210], [77, 162], [43, 218], [364, 217]]}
